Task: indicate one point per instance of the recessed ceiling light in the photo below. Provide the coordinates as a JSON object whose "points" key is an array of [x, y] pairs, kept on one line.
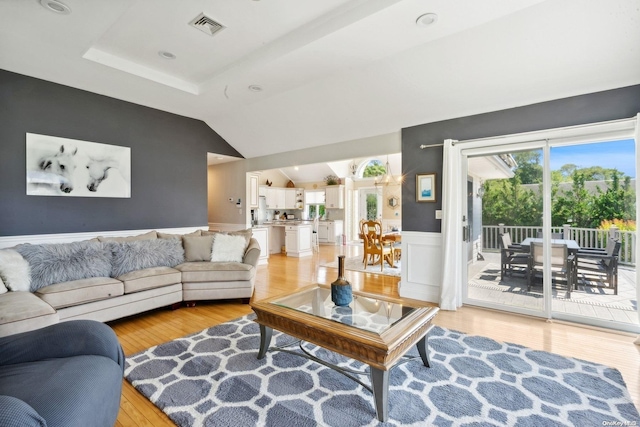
{"points": [[166, 55], [255, 88], [426, 19], [56, 6]]}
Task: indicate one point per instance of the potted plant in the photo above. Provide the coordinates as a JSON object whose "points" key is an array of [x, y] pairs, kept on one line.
{"points": [[331, 180]]}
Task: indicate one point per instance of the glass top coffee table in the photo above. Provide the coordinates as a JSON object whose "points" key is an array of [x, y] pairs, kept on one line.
{"points": [[373, 329]]}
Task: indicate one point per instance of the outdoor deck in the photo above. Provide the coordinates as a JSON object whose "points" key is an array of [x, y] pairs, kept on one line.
{"points": [[485, 285]]}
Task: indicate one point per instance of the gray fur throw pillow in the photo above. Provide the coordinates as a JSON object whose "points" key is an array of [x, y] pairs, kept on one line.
{"points": [[55, 263], [131, 256]]}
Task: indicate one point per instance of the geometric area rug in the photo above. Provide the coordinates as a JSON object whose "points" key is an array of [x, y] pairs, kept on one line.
{"points": [[213, 378]]}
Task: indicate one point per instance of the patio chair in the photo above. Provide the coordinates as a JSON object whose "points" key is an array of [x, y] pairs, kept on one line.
{"points": [[374, 246], [513, 259], [562, 264], [598, 266], [553, 235]]}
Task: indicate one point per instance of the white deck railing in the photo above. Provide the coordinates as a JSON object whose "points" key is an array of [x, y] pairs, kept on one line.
{"points": [[585, 237]]}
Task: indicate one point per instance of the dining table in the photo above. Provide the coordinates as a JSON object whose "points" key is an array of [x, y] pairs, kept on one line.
{"points": [[572, 245]]}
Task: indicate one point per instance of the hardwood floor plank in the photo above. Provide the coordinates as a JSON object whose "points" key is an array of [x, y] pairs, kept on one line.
{"points": [[284, 274]]}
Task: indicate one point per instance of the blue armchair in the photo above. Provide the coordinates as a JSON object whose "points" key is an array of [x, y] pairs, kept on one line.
{"points": [[64, 375]]}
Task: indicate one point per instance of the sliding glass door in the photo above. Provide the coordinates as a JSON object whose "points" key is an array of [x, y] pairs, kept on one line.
{"points": [[553, 230]]}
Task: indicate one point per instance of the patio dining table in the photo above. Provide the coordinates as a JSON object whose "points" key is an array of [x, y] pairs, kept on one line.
{"points": [[572, 245]]}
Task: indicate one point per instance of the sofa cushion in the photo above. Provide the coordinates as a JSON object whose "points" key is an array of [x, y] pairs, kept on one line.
{"points": [[178, 236], [66, 294], [247, 233], [227, 248], [197, 248], [149, 278], [14, 270], [215, 271], [55, 263], [137, 255], [17, 306], [150, 235]]}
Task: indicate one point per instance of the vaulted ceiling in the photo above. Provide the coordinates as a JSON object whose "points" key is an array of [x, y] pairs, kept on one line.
{"points": [[326, 71]]}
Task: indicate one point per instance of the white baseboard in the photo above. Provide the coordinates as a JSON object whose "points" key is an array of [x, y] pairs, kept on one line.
{"points": [[421, 266], [35, 239]]}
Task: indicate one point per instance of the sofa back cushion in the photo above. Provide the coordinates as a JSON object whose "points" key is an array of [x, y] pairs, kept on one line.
{"points": [[197, 248], [137, 255], [55, 263], [178, 236]]}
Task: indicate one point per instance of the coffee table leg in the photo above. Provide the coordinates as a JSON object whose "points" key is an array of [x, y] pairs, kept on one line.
{"points": [[265, 340], [380, 387], [423, 349]]}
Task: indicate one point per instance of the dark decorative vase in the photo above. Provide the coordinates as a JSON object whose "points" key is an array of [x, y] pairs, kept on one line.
{"points": [[341, 289]]}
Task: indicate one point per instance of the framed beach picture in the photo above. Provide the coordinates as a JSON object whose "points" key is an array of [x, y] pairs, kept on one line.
{"points": [[426, 187]]}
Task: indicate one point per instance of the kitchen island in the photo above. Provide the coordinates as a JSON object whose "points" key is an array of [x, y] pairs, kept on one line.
{"points": [[294, 235]]}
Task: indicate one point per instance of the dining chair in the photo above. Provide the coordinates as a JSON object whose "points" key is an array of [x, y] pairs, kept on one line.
{"points": [[562, 264], [376, 250], [556, 236], [513, 258], [598, 266], [315, 244]]}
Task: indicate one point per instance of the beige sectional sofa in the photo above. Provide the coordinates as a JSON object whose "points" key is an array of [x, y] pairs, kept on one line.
{"points": [[146, 271]]}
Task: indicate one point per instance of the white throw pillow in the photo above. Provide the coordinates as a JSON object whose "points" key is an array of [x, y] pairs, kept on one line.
{"points": [[3, 288], [228, 248], [14, 270]]}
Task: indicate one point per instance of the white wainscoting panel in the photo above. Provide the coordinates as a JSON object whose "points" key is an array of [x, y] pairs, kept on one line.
{"points": [[421, 266], [222, 226], [36, 239]]}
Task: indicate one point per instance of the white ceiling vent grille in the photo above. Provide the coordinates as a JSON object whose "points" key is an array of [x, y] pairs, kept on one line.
{"points": [[206, 24]]}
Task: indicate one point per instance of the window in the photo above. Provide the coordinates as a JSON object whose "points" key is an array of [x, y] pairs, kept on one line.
{"points": [[313, 203]]}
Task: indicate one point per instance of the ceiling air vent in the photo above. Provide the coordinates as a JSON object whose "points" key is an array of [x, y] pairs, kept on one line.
{"points": [[206, 24]]}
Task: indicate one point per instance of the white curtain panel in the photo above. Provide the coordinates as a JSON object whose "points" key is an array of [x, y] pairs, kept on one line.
{"points": [[451, 286]]}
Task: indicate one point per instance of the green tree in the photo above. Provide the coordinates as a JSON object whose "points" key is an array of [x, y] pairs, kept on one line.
{"points": [[374, 168], [574, 206], [507, 201], [529, 169]]}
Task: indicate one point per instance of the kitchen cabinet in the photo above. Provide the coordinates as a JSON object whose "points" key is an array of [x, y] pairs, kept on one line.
{"points": [[334, 197], [298, 240], [276, 198], [330, 232], [253, 191], [290, 198], [261, 234]]}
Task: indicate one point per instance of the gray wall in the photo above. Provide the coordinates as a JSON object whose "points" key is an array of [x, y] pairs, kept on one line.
{"points": [[168, 160], [613, 104]]}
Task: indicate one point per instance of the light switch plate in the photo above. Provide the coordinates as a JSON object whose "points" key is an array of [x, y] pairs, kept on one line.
{"points": [[438, 214]]}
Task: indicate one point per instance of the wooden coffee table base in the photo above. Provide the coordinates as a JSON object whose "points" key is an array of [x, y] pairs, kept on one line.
{"points": [[379, 377]]}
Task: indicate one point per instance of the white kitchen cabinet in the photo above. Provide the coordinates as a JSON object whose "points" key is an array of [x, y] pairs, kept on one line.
{"points": [[276, 198], [298, 240], [323, 232], [253, 191], [330, 232], [334, 197], [261, 234], [290, 198]]}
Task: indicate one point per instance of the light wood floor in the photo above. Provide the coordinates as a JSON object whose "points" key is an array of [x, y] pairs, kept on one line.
{"points": [[284, 274]]}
